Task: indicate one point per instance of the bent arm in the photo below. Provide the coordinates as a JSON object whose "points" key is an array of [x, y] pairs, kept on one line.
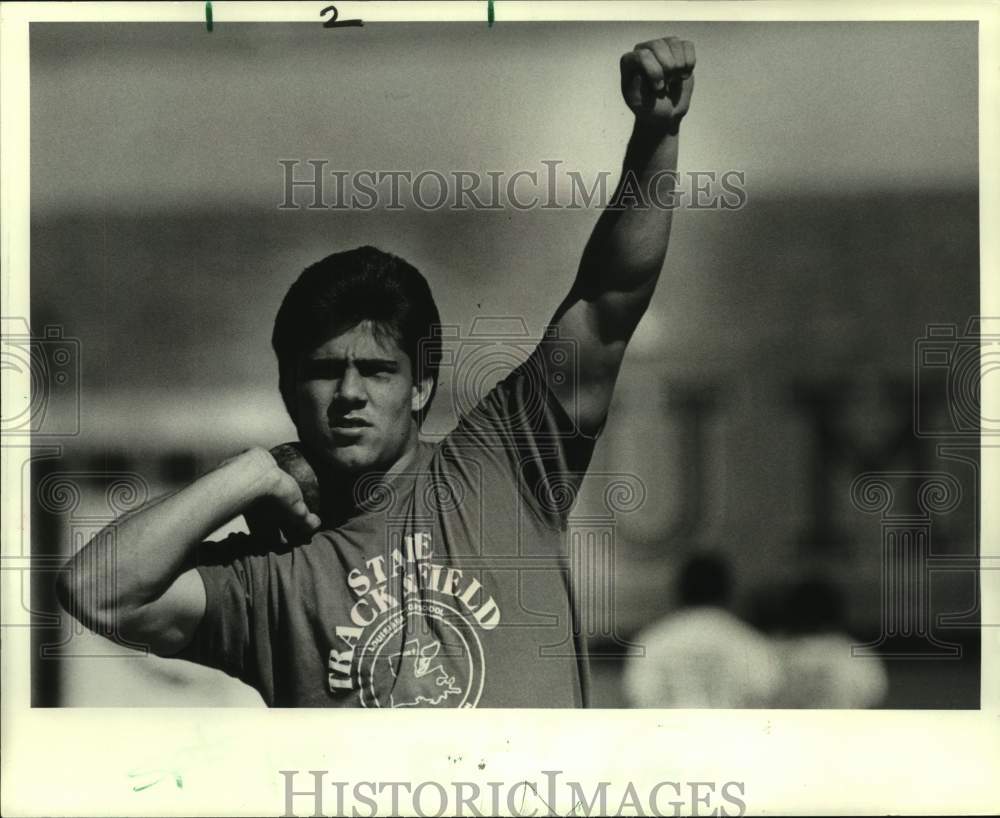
{"points": [[133, 579]]}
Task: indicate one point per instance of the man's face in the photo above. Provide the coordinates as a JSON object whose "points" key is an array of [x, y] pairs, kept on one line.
{"points": [[354, 399]]}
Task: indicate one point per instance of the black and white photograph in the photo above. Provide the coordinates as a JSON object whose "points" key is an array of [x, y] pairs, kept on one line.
{"points": [[458, 356]]}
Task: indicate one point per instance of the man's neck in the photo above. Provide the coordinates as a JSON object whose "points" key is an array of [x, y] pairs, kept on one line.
{"points": [[350, 492]]}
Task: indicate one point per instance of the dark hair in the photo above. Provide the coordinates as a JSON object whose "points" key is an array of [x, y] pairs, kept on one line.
{"points": [[342, 290], [704, 580]]}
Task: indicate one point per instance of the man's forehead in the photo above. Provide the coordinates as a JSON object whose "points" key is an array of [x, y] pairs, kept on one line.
{"points": [[364, 340]]}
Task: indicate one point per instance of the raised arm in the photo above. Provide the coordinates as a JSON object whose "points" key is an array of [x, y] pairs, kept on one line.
{"points": [[624, 256]]}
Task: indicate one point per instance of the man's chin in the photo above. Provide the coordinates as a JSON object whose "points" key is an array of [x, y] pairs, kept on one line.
{"points": [[348, 459]]}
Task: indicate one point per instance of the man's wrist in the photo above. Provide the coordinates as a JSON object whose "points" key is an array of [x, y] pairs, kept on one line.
{"points": [[651, 134], [651, 147], [250, 475]]}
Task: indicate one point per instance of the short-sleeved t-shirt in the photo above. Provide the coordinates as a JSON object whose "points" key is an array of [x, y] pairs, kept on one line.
{"points": [[450, 587]]}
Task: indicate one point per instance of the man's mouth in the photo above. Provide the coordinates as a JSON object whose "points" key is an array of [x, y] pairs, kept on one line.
{"points": [[348, 427]]}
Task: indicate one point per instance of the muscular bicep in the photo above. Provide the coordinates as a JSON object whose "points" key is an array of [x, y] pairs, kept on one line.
{"points": [[168, 624], [595, 333]]}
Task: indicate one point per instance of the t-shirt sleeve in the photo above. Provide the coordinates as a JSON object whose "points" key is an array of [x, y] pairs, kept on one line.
{"points": [[522, 427], [236, 610]]}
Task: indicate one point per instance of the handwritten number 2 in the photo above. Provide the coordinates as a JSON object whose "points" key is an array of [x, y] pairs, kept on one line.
{"points": [[333, 22]]}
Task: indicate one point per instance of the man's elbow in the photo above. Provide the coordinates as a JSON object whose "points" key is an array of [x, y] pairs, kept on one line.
{"points": [[73, 602], [92, 609], [64, 591]]}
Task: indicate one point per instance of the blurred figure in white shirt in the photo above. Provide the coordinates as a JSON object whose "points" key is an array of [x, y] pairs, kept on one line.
{"points": [[815, 650], [702, 655]]}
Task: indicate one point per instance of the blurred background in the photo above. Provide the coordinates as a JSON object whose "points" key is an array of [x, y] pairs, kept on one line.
{"points": [[819, 334]]}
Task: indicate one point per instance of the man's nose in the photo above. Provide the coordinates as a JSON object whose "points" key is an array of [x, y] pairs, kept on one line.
{"points": [[351, 387]]}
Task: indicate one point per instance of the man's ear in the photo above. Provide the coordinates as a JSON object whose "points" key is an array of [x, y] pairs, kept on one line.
{"points": [[420, 394]]}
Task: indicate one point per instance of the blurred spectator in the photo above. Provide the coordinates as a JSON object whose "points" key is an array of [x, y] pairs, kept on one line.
{"points": [[815, 651], [702, 655]]}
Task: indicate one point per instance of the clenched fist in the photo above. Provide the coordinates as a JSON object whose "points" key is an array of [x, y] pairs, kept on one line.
{"points": [[291, 503], [657, 81]]}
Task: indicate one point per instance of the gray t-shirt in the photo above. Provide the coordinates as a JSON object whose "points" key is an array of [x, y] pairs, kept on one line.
{"points": [[449, 588]]}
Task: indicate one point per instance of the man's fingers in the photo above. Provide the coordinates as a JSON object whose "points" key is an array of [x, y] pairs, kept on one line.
{"points": [[290, 496], [301, 525], [631, 70], [651, 68], [657, 79], [663, 67], [665, 55], [304, 518], [291, 458], [287, 491], [689, 56], [634, 93], [676, 47], [676, 56]]}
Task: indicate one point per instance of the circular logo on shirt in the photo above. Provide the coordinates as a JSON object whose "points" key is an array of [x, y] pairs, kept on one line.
{"points": [[423, 653]]}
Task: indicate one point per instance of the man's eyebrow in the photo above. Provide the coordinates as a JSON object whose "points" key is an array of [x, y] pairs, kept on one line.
{"points": [[390, 362]]}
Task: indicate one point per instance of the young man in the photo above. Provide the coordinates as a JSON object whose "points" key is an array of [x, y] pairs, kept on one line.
{"points": [[415, 575]]}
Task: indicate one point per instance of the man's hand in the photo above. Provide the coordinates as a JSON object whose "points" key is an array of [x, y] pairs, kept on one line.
{"points": [[657, 81], [291, 499]]}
